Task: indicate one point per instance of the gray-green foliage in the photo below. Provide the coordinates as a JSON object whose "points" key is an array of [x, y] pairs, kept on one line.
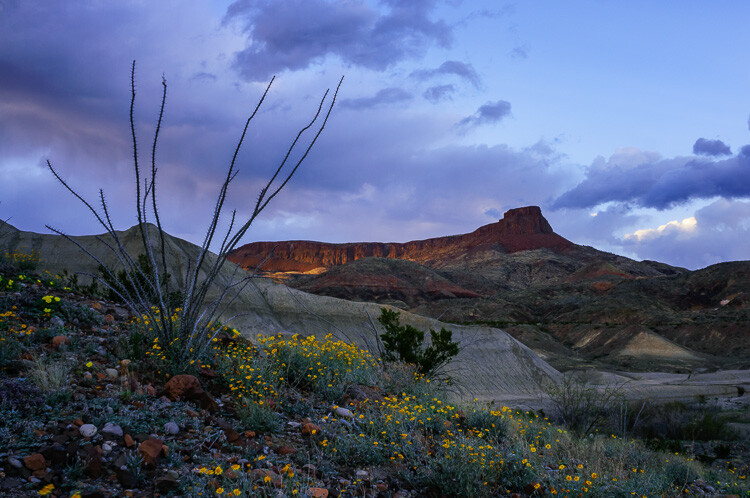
{"points": [[406, 343]]}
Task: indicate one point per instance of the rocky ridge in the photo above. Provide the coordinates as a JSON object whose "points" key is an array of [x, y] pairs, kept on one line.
{"points": [[521, 229]]}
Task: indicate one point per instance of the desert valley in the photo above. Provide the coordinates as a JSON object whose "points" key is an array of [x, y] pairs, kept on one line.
{"points": [[545, 327]]}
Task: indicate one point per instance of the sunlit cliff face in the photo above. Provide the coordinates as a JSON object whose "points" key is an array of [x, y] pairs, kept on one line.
{"points": [[520, 229]]}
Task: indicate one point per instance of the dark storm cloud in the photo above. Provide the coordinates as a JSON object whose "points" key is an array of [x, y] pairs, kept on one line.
{"points": [[648, 181], [491, 112], [293, 34], [382, 97], [438, 93], [460, 69], [707, 147]]}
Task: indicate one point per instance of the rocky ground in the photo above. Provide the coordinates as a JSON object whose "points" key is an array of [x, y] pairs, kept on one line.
{"points": [[102, 426]]}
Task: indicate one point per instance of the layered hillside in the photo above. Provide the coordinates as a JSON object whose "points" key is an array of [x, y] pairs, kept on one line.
{"points": [[574, 305], [521, 229]]}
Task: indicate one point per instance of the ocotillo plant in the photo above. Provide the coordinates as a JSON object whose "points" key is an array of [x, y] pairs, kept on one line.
{"points": [[147, 292]]}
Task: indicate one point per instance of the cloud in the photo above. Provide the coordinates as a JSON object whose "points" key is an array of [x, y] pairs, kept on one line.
{"points": [[647, 180], [295, 34], [438, 93], [494, 213], [491, 112], [520, 52], [688, 225], [706, 147], [382, 97], [716, 233], [460, 69]]}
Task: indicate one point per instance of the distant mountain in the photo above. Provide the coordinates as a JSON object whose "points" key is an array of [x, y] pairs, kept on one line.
{"points": [[520, 229], [572, 304]]}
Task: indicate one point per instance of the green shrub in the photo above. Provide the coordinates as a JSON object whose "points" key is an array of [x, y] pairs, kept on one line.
{"points": [[141, 281], [406, 343], [256, 415]]}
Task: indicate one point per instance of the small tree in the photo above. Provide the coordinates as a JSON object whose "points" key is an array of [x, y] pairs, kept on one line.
{"points": [[406, 343], [148, 288]]}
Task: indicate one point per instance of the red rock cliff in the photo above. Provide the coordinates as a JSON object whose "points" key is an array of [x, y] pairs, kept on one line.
{"points": [[521, 229]]}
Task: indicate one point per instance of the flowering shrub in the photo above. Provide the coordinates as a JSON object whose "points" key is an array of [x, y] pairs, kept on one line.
{"points": [[25, 261]]}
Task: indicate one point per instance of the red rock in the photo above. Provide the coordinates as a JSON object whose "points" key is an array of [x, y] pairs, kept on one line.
{"points": [[177, 386], [534, 488], [109, 318], [602, 286], [35, 462], [129, 442], [93, 467], [262, 473], [59, 340], [151, 449], [310, 429], [286, 450], [318, 492], [520, 229], [204, 400], [188, 388]]}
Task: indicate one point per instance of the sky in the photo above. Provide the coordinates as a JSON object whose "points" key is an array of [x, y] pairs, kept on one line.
{"points": [[627, 122]]}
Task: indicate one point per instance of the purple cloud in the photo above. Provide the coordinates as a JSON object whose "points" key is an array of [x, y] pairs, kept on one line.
{"points": [[460, 69], [382, 97], [707, 147], [646, 180], [294, 34], [491, 112], [438, 93]]}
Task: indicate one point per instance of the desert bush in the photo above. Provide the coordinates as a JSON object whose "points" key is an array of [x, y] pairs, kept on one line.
{"points": [[125, 283], [49, 375], [258, 416], [23, 261], [582, 406], [405, 343], [148, 290], [676, 421], [323, 367]]}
